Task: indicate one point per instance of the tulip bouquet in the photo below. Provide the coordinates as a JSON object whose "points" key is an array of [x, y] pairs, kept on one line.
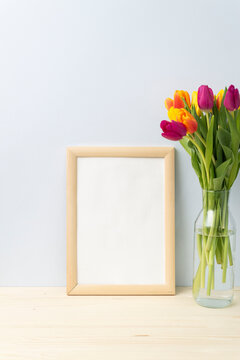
{"points": [[208, 127]]}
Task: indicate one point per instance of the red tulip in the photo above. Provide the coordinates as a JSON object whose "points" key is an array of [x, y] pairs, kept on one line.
{"points": [[205, 98], [173, 130], [232, 100]]}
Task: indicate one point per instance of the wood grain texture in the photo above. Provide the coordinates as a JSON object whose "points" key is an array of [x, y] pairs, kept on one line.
{"points": [[71, 220], [168, 289], [120, 151], [73, 288], [44, 323], [170, 219]]}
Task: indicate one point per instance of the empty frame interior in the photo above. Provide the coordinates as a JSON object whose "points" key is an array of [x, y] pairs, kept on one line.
{"points": [[120, 221]]}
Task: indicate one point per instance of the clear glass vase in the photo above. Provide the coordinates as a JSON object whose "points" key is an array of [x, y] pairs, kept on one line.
{"points": [[214, 251]]}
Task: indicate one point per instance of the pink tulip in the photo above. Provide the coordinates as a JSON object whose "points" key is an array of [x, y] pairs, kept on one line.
{"points": [[232, 100], [205, 98], [173, 130]]}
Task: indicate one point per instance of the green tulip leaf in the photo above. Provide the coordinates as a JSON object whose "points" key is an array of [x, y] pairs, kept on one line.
{"points": [[235, 136], [186, 105], [235, 141], [221, 172], [196, 166], [224, 136], [227, 152], [209, 144], [219, 150], [191, 145], [185, 144], [238, 120], [203, 126], [233, 173], [217, 183]]}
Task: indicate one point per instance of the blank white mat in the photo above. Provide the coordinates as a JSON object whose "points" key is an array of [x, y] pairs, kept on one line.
{"points": [[120, 220]]}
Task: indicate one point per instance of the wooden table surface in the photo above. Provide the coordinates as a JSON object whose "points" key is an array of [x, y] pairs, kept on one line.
{"points": [[44, 323]]}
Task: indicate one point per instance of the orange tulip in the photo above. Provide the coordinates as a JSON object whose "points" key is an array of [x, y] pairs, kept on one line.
{"points": [[168, 103], [219, 98], [177, 101], [184, 117]]}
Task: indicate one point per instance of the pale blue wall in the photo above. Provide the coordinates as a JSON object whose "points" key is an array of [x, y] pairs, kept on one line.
{"points": [[97, 72]]}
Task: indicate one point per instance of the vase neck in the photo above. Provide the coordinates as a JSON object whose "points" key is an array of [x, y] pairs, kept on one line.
{"points": [[211, 198]]}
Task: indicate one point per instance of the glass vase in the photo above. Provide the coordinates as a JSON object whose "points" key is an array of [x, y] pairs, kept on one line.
{"points": [[214, 251]]}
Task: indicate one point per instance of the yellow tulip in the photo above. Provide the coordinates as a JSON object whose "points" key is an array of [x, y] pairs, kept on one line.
{"points": [[195, 102], [219, 98], [184, 117]]}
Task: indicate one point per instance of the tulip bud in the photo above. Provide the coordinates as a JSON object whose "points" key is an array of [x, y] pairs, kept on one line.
{"points": [[232, 100], [205, 98], [195, 102], [178, 96], [219, 98], [173, 130], [168, 103]]}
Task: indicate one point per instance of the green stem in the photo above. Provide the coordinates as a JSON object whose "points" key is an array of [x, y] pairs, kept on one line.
{"points": [[212, 244], [203, 263], [211, 267], [230, 254], [199, 245], [208, 123], [210, 277], [204, 241], [196, 281], [218, 252], [202, 155], [211, 232], [212, 286], [200, 138], [227, 244], [225, 259], [204, 143]]}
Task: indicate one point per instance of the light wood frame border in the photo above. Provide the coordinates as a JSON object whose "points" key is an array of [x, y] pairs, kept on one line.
{"points": [[73, 288]]}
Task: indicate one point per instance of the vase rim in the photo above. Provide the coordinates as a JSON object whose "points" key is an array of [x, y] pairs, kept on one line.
{"points": [[216, 191]]}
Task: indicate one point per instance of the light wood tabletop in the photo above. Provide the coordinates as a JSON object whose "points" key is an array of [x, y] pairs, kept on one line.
{"points": [[44, 323]]}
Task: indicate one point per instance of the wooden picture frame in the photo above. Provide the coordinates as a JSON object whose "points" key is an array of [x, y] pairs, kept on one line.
{"points": [[75, 154]]}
